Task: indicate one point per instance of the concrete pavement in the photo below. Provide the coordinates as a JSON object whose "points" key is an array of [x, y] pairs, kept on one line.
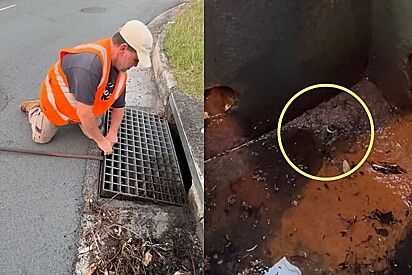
{"points": [[41, 197]]}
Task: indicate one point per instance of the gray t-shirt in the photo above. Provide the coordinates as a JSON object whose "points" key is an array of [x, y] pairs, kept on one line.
{"points": [[83, 72]]}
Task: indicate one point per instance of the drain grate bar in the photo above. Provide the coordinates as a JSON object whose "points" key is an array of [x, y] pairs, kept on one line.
{"points": [[144, 163]]}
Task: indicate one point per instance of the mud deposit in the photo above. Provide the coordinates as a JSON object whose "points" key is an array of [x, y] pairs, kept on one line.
{"points": [[258, 209]]}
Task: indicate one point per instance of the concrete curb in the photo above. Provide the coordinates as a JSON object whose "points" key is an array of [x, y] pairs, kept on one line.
{"points": [[188, 124], [163, 77]]}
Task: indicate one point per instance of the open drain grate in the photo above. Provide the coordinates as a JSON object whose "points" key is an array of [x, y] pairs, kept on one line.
{"points": [[144, 163]]}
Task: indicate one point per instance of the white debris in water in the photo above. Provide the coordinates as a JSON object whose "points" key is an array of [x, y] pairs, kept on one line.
{"points": [[283, 267], [345, 166]]}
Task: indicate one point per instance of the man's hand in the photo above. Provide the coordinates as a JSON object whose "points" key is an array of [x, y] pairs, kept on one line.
{"points": [[88, 121], [116, 120], [112, 137], [106, 145]]}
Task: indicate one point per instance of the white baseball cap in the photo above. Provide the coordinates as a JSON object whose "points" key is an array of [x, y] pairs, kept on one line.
{"points": [[138, 36]]}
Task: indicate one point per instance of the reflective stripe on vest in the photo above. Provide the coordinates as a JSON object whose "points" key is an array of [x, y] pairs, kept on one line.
{"points": [[64, 86], [59, 105], [120, 88], [104, 54], [104, 105], [50, 96]]}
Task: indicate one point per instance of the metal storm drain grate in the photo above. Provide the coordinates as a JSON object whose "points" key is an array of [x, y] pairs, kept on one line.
{"points": [[144, 163]]}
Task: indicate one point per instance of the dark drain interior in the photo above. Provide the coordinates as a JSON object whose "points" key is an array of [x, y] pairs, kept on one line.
{"points": [[144, 163], [181, 157]]}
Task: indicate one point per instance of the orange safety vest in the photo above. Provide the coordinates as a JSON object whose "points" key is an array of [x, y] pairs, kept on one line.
{"points": [[59, 105]]}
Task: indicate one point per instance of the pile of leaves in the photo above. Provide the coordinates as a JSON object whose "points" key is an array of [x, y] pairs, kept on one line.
{"points": [[115, 248]]}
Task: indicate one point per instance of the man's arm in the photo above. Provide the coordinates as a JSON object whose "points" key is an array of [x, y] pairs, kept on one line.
{"points": [[115, 121], [85, 114]]}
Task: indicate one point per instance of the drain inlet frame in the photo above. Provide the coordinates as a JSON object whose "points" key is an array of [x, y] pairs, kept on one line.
{"points": [[144, 164]]}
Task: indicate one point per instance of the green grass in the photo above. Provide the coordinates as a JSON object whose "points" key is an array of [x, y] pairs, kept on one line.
{"points": [[184, 45]]}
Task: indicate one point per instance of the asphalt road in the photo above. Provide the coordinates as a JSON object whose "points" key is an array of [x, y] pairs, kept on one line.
{"points": [[41, 197]]}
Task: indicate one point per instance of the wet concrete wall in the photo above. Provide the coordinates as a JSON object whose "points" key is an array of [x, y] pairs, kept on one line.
{"points": [[391, 65], [267, 51]]}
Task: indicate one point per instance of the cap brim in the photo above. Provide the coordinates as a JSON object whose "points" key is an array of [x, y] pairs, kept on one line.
{"points": [[144, 59]]}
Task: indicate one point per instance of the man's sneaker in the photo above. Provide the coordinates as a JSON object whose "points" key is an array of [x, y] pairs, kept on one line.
{"points": [[26, 106]]}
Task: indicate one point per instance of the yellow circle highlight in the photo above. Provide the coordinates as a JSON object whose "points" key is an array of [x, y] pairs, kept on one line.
{"points": [[303, 173]]}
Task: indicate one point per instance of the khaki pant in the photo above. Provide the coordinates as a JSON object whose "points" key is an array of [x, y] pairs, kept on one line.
{"points": [[43, 130]]}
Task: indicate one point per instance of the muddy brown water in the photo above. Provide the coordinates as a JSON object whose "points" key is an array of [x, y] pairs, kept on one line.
{"points": [[258, 209]]}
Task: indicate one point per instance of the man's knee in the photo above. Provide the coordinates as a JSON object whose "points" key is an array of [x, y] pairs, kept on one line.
{"points": [[41, 139], [42, 129], [43, 135]]}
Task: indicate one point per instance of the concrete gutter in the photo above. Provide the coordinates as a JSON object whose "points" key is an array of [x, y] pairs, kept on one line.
{"points": [[183, 110], [190, 132]]}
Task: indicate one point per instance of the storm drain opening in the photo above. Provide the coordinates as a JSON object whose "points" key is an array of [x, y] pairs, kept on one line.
{"points": [[181, 157], [144, 164], [218, 100]]}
